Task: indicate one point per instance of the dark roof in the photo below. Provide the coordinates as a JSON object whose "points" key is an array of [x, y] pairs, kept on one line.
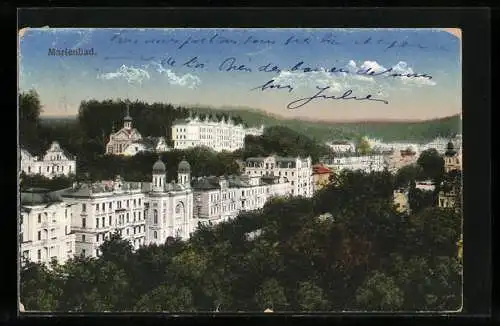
{"points": [[184, 167], [206, 183], [180, 121], [40, 196], [159, 167], [450, 149]]}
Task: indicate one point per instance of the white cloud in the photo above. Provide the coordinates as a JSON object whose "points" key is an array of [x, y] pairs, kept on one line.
{"points": [[186, 80], [402, 68], [130, 74]]}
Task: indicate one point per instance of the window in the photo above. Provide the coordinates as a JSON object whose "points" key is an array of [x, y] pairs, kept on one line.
{"points": [[110, 205], [84, 207], [103, 206], [155, 235], [139, 215], [39, 235], [109, 221], [97, 222], [84, 222], [127, 231], [135, 203], [39, 218], [21, 237], [65, 229], [139, 202], [83, 237], [83, 252], [127, 203], [97, 238], [97, 252], [127, 218], [134, 216], [26, 254], [97, 207], [103, 222], [39, 254]]}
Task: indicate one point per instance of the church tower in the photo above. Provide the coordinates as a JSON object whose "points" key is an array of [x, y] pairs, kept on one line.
{"points": [[159, 176], [127, 121], [184, 173]]}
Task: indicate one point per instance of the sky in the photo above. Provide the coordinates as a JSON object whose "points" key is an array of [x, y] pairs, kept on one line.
{"points": [[230, 67]]}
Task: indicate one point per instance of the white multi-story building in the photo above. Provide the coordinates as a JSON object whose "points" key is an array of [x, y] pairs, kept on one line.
{"points": [[217, 135], [45, 227], [298, 171], [101, 208], [353, 162], [218, 199], [55, 162], [341, 146], [142, 212], [396, 159]]}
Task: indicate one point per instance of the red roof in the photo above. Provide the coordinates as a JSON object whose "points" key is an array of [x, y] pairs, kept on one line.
{"points": [[320, 169]]}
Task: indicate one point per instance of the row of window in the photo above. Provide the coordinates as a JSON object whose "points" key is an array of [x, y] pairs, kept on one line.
{"points": [[53, 169], [135, 202]]}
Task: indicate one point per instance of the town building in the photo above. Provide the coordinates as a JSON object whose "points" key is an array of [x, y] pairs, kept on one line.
{"points": [[341, 146], [218, 135], [55, 162], [441, 144], [298, 171], [147, 145], [170, 205], [321, 176], [401, 200], [141, 212], [218, 199], [452, 158], [396, 159], [120, 140], [450, 199], [427, 185], [45, 232], [353, 162], [100, 209]]}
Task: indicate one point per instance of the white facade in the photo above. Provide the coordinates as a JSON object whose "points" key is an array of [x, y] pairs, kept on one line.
{"points": [[341, 146], [441, 144], [219, 136], [45, 228], [149, 144], [218, 199], [298, 171], [425, 185], [55, 162], [100, 209], [170, 205], [365, 163]]}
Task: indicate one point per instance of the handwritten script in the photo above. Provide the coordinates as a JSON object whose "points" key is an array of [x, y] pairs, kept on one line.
{"points": [[247, 64], [216, 38]]}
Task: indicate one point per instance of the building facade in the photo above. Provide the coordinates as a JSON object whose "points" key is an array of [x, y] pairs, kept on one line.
{"points": [[217, 135], [341, 146], [321, 176], [354, 162], [218, 199], [102, 208], [170, 205], [120, 140], [45, 232], [396, 159], [55, 162], [452, 158], [298, 171]]}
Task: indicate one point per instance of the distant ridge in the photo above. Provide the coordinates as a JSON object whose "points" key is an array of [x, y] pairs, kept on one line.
{"points": [[384, 129]]}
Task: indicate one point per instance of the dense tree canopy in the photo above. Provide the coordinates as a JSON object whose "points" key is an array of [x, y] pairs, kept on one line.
{"points": [[345, 249]]}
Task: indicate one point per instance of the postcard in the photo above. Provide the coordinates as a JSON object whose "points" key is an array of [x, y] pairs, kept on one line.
{"points": [[187, 170]]}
